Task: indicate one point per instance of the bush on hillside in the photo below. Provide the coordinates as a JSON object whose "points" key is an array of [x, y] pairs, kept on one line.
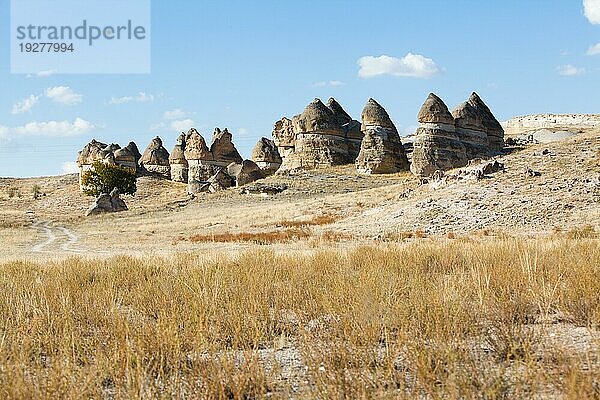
{"points": [[103, 178]]}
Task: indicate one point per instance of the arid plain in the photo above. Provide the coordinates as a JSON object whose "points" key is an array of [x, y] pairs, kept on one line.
{"points": [[344, 285]]}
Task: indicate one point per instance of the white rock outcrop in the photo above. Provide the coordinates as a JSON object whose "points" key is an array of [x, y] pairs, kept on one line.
{"points": [[523, 124]]}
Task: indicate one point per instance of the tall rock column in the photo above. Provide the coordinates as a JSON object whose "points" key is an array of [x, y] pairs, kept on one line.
{"points": [[179, 165], [322, 136], [223, 149], [266, 156], [200, 160], [494, 130], [381, 151], [155, 159], [436, 146], [320, 140], [470, 130]]}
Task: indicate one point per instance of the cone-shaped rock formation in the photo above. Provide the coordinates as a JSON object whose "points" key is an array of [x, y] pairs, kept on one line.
{"points": [[223, 149], [156, 158], [494, 130], [266, 156], [381, 150], [179, 165], [323, 135], [436, 146]]}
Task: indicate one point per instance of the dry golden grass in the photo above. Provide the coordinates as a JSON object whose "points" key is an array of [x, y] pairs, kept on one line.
{"points": [[444, 319], [315, 221], [581, 232], [268, 237], [403, 235], [584, 232], [287, 235]]}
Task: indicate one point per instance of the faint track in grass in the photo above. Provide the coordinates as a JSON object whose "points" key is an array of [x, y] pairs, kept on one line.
{"points": [[57, 239]]}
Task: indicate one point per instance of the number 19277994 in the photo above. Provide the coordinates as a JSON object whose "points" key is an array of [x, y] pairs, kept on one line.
{"points": [[46, 47]]}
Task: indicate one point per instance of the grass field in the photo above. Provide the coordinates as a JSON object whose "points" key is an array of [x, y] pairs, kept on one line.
{"points": [[464, 318], [342, 286]]}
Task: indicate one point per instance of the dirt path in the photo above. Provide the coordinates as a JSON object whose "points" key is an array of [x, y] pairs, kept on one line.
{"points": [[58, 238]]}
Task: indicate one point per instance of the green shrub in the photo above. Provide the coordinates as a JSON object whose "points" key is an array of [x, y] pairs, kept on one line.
{"points": [[36, 190], [103, 178]]}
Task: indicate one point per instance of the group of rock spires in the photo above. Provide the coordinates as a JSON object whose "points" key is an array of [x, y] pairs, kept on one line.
{"points": [[211, 169], [191, 161], [322, 135], [325, 135], [447, 140], [128, 156]]}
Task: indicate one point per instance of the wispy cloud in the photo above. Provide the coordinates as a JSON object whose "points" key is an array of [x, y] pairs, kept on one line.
{"points": [[177, 113], [175, 120], [25, 104], [570, 70], [328, 84], [411, 66], [594, 50], [43, 74], [58, 94], [243, 132], [69, 167], [158, 126], [182, 125], [591, 9], [63, 95], [53, 128], [141, 97]]}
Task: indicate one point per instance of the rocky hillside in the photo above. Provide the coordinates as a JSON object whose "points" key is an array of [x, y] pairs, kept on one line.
{"points": [[543, 189], [568, 124]]}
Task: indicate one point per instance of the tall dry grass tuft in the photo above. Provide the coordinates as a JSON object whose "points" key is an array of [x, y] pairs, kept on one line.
{"points": [[314, 221], [435, 319], [268, 237]]}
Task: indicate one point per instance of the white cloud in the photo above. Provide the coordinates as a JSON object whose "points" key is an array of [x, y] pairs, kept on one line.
{"points": [[594, 50], [69, 167], [63, 95], [157, 127], [141, 97], [591, 9], [43, 74], [411, 65], [570, 70], [174, 114], [25, 105], [328, 83], [54, 128], [182, 125]]}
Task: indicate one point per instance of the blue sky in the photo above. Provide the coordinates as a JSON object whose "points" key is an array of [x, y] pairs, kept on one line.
{"points": [[243, 65]]}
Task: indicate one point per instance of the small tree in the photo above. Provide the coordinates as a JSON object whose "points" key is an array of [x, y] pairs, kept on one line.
{"points": [[37, 191], [103, 178]]}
